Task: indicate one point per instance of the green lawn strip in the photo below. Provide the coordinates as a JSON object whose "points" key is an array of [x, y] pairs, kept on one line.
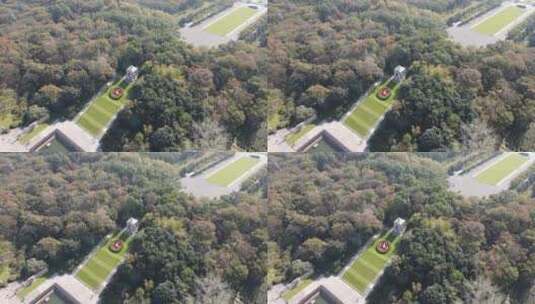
{"points": [[494, 174], [368, 117], [27, 290], [359, 127], [292, 138], [367, 114], [98, 269], [231, 21], [89, 125], [95, 271], [34, 132], [98, 115], [497, 22], [300, 286], [231, 172], [110, 105], [356, 281], [378, 107], [364, 270], [86, 277], [102, 110], [108, 258]]}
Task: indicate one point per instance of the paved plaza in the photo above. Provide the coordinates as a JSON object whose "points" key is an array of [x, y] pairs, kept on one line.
{"points": [[198, 186], [345, 137], [467, 184], [467, 36], [198, 36]]}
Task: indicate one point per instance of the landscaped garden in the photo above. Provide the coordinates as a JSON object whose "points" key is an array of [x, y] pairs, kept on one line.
{"points": [[496, 23], [383, 246], [116, 93], [107, 257], [103, 109], [384, 93], [368, 113], [494, 174], [231, 172], [366, 268], [231, 21]]}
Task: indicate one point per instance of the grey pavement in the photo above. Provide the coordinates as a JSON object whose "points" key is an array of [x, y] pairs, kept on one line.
{"points": [[70, 284], [336, 287], [9, 143], [468, 186], [277, 141], [347, 138], [465, 36], [70, 129], [343, 135], [8, 293], [197, 36], [199, 187]]}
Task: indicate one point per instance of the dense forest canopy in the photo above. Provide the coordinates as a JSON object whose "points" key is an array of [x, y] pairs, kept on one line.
{"points": [[455, 249], [56, 208], [325, 55], [56, 57]]}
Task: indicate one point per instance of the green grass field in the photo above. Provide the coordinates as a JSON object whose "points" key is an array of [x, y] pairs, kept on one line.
{"points": [[231, 21], [497, 22], [26, 290], [34, 132], [367, 114], [292, 138], [369, 264], [228, 174], [292, 292], [495, 173], [101, 111], [101, 264]]}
